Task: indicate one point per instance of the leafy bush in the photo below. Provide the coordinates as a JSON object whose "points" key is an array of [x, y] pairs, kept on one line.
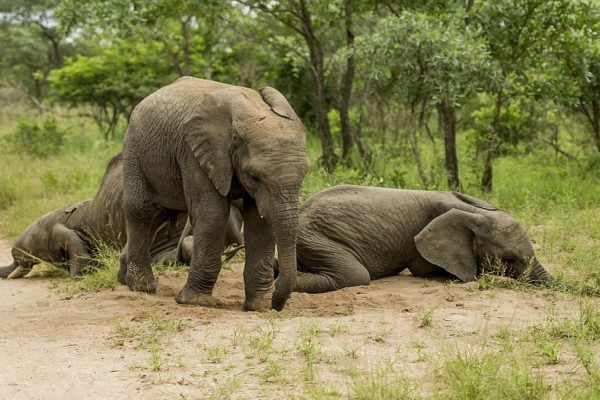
{"points": [[39, 140]]}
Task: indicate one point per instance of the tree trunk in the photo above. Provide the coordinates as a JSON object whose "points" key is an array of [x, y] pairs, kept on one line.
{"points": [[447, 118], [596, 122], [412, 137], [493, 141], [347, 137], [317, 68]]}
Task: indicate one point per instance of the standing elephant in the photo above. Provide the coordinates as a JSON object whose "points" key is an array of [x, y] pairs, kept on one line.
{"points": [[69, 236], [194, 146], [349, 235]]}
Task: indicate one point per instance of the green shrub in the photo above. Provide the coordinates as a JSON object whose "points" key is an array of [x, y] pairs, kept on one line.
{"points": [[39, 140]]}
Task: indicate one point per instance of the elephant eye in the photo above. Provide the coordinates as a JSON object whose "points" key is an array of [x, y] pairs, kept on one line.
{"points": [[255, 178]]}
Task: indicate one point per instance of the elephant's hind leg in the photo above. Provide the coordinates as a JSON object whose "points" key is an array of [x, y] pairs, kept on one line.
{"points": [[330, 270], [143, 217]]}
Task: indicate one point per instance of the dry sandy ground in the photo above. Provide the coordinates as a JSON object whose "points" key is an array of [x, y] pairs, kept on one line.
{"points": [[119, 344]]}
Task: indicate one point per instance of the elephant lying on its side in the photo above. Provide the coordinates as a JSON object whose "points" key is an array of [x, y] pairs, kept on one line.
{"points": [[69, 236], [349, 235]]}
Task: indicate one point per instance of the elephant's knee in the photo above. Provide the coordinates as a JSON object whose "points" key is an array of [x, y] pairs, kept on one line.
{"points": [[358, 277], [354, 276]]}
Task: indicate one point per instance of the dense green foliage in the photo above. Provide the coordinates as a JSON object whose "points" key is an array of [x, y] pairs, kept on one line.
{"points": [[38, 140], [369, 79]]}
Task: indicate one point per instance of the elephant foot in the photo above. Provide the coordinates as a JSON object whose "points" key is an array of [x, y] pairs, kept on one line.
{"points": [[259, 302], [192, 297], [141, 282]]}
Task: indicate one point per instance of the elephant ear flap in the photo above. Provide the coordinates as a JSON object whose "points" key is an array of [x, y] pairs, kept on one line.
{"points": [[474, 201], [448, 241], [208, 133], [75, 248], [278, 103]]}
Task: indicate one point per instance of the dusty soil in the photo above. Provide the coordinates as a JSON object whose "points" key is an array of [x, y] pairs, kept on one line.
{"points": [[118, 344]]}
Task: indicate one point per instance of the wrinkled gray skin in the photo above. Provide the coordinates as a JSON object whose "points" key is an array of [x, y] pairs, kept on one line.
{"points": [[350, 235], [196, 145], [69, 236]]}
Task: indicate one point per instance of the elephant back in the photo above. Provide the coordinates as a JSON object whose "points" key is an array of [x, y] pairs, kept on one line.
{"points": [[105, 215]]}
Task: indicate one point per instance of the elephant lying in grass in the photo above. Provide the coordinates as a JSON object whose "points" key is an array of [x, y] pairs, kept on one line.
{"points": [[349, 235], [70, 236]]}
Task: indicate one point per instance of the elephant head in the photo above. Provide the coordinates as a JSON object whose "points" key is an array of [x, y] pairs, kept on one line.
{"points": [[45, 240], [464, 243], [255, 140]]}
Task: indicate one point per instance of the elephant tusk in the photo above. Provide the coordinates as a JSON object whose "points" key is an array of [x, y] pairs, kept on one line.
{"points": [[261, 217]]}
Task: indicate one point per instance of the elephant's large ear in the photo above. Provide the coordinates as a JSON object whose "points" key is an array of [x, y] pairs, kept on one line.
{"points": [[209, 132], [278, 103], [448, 241], [76, 250]]}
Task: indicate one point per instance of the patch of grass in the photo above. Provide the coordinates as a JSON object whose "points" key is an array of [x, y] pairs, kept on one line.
{"points": [[584, 326], [427, 319], [549, 351], [321, 393], [216, 353], [273, 371], [382, 385], [489, 376], [583, 389], [238, 335], [226, 389], [156, 359], [310, 350], [149, 333], [420, 347], [352, 352], [337, 328], [260, 345]]}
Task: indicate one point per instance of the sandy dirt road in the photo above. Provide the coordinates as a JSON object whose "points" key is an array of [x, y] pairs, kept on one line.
{"points": [[117, 344]]}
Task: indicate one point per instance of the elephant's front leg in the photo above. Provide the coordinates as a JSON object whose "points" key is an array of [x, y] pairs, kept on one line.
{"points": [[260, 251], [209, 221]]}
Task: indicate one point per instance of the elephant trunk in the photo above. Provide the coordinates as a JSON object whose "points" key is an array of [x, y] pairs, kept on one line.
{"points": [[538, 275], [6, 271], [285, 224]]}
